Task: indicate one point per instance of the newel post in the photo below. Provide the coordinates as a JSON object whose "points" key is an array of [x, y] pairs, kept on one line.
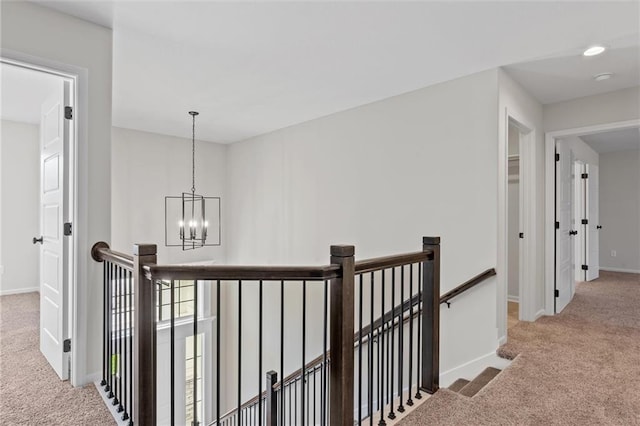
{"points": [[341, 338], [272, 399], [144, 338], [431, 316]]}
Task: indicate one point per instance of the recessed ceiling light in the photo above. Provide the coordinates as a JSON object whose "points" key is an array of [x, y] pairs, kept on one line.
{"points": [[593, 51], [603, 76]]}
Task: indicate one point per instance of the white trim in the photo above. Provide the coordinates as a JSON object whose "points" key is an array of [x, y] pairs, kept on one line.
{"points": [[528, 226], [78, 215], [539, 314], [471, 369], [514, 299], [108, 403], [19, 291], [612, 269], [549, 225]]}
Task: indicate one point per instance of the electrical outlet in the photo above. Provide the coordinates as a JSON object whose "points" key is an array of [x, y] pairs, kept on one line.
{"points": [[613, 253]]}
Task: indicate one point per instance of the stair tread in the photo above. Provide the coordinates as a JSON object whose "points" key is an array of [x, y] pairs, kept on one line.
{"points": [[458, 384], [474, 386]]}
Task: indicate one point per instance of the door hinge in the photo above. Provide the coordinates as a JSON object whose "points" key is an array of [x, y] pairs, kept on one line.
{"points": [[556, 293], [66, 345], [521, 235], [585, 267], [557, 157], [585, 221], [557, 225], [67, 228], [68, 113], [585, 175]]}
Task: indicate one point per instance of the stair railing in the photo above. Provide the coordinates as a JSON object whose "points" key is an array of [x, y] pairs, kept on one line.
{"points": [[149, 293]]}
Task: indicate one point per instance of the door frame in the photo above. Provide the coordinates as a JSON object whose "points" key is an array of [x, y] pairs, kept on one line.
{"points": [[527, 273], [77, 296], [550, 204]]}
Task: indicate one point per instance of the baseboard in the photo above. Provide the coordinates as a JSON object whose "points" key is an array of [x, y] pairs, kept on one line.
{"points": [[539, 314], [93, 378], [19, 291], [515, 299], [471, 369], [628, 271]]}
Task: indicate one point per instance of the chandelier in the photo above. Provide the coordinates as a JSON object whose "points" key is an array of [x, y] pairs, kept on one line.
{"points": [[192, 215]]}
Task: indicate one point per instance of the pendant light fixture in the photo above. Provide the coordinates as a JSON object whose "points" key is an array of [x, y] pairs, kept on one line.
{"points": [[193, 224], [192, 220]]}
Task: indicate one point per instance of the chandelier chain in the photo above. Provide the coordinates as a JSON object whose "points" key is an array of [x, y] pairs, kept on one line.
{"points": [[193, 155]]}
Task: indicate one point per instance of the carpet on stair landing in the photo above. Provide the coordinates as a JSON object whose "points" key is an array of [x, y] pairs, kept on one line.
{"points": [[576, 368], [30, 391]]}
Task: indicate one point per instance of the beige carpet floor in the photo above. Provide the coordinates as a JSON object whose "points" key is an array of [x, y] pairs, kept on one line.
{"points": [[30, 391], [581, 367]]}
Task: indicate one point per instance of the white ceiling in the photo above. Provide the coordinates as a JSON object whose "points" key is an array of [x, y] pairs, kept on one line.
{"points": [[23, 92], [568, 76], [254, 67], [617, 140]]}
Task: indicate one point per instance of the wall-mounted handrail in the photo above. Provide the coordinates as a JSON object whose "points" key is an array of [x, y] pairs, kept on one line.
{"points": [[467, 285]]}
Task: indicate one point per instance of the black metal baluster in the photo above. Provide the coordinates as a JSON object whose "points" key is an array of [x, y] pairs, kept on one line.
{"points": [[116, 318], [104, 323], [239, 352], [110, 326], [419, 346], [360, 353], [172, 348], [282, 375], [218, 352], [392, 415], [381, 357], [323, 378], [123, 348], [409, 400], [130, 278], [304, 337], [315, 370], [401, 341], [260, 353], [195, 353], [371, 281]]}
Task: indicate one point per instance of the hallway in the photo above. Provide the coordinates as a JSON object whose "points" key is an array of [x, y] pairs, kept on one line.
{"points": [[577, 368], [30, 391]]}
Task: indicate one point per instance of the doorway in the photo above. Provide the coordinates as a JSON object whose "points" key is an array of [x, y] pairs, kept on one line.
{"points": [[574, 227], [37, 199], [514, 225]]}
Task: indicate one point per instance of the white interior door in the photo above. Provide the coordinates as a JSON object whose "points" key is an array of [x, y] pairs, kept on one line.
{"points": [[593, 223], [579, 214], [53, 291], [564, 227]]}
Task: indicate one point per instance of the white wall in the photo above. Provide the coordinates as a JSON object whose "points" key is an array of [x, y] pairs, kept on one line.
{"points": [[146, 167], [582, 151], [620, 105], [19, 202], [620, 210], [380, 177], [519, 105], [31, 32]]}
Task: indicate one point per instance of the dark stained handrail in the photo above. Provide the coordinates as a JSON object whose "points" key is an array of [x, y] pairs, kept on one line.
{"points": [[249, 273], [101, 252], [467, 285], [385, 262]]}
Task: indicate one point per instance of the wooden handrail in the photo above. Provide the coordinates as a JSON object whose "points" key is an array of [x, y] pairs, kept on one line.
{"points": [[249, 273], [101, 252], [467, 285], [385, 262]]}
